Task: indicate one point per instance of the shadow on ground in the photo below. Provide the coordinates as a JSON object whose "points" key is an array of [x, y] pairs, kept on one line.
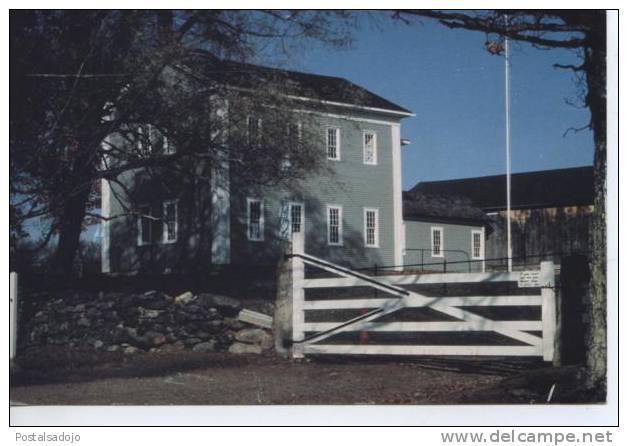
{"points": [[64, 365], [57, 376], [56, 364]]}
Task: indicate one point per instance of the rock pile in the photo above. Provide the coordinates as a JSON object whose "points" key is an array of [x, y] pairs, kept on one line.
{"points": [[150, 322]]}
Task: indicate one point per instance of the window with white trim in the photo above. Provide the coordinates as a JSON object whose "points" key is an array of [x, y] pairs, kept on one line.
{"points": [[144, 225], [369, 141], [333, 143], [152, 140], [144, 135], [437, 242], [255, 219], [294, 141], [477, 245], [170, 221], [296, 218], [291, 219], [254, 131], [166, 146], [371, 227], [334, 225]]}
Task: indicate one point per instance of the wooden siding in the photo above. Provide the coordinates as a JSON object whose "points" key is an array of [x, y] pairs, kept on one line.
{"points": [[456, 246], [348, 183], [540, 232]]}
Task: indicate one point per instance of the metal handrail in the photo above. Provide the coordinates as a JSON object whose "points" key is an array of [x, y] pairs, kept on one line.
{"points": [[493, 259], [444, 262]]}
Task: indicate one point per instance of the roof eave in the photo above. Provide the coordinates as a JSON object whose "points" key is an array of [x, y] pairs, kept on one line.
{"points": [[402, 114], [452, 220]]}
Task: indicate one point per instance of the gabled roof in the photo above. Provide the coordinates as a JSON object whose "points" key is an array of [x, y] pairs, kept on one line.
{"points": [[445, 208], [547, 188], [305, 86]]}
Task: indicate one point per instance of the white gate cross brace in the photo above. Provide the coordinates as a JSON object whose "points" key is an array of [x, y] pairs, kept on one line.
{"points": [[406, 298]]}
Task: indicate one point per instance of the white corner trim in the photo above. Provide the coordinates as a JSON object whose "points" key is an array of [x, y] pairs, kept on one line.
{"points": [[220, 193], [398, 228]]}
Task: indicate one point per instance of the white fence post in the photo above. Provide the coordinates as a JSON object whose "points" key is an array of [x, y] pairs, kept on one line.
{"points": [[12, 314], [298, 295], [548, 310]]}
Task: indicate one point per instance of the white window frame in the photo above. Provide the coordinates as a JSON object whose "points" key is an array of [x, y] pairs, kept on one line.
{"points": [[168, 149], [140, 140], [480, 233], [290, 205], [286, 162], [374, 161], [442, 240], [285, 217], [140, 232], [261, 219], [337, 131], [376, 236], [164, 236], [340, 225]]}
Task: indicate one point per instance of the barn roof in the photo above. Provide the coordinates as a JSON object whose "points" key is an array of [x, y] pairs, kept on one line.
{"points": [[547, 188], [446, 208], [294, 83]]}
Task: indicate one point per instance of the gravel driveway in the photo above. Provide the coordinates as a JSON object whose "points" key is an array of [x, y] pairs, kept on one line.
{"points": [[210, 379]]}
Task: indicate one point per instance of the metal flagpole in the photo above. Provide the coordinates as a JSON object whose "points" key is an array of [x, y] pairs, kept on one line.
{"points": [[507, 86]]}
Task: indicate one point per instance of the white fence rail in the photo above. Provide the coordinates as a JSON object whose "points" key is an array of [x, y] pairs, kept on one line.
{"points": [[400, 297]]}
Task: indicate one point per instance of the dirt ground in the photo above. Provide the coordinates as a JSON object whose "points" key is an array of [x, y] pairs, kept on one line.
{"points": [[189, 378]]}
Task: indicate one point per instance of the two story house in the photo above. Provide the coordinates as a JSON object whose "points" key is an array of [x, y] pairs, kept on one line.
{"points": [[350, 209]]}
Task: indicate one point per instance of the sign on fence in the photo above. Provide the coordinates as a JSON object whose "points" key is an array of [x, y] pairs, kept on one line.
{"points": [[529, 279]]}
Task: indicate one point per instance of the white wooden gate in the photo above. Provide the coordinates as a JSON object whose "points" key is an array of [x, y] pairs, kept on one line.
{"points": [[398, 297]]}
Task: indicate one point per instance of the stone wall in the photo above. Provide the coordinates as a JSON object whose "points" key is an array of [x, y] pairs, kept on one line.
{"points": [[134, 322]]}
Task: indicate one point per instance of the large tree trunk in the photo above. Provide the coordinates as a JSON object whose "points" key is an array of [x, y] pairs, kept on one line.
{"points": [[70, 226], [595, 65]]}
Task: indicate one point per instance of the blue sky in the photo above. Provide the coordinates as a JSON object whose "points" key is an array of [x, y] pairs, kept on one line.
{"points": [[456, 89]]}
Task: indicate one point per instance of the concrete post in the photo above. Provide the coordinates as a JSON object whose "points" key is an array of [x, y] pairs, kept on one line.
{"points": [[282, 320], [548, 311], [298, 295]]}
